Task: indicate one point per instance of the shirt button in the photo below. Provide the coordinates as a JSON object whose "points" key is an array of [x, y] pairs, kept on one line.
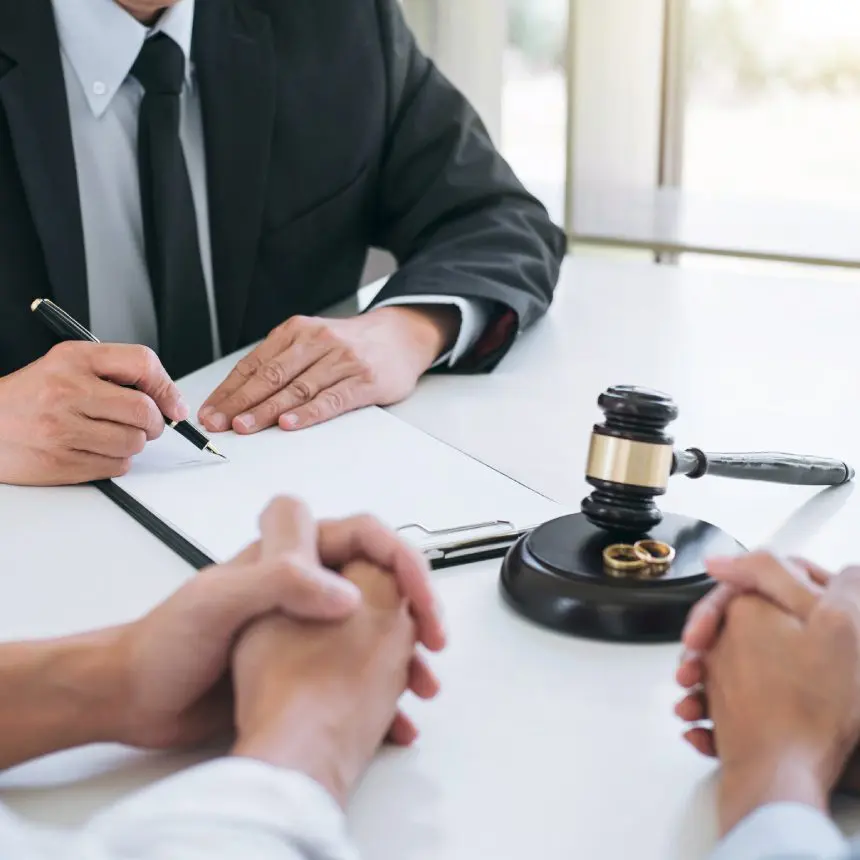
{"points": [[99, 88]]}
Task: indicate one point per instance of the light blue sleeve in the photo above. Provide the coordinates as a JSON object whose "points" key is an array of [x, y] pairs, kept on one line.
{"points": [[784, 831]]}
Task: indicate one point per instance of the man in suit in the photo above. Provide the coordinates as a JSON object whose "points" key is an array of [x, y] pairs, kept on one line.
{"points": [[772, 672], [311, 703], [197, 175]]}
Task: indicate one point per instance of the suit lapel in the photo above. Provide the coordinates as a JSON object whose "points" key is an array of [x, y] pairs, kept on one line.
{"points": [[33, 94], [235, 63]]}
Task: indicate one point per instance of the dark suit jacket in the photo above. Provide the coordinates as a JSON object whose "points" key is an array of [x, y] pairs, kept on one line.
{"points": [[327, 132]]}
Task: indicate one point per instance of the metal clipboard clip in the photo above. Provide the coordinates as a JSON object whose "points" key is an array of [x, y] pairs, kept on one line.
{"points": [[460, 545]]}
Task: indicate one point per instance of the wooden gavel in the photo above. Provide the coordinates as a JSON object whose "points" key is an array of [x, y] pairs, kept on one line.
{"points": [[631, 460]]}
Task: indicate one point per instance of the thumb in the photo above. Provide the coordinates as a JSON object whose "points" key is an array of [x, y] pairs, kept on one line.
{"points": [[228, 598], [288, 529], [309, 592], [293, 575]]}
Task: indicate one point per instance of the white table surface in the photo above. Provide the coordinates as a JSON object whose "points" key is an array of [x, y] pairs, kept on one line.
{"points": [[674, 219], [540, 745]]}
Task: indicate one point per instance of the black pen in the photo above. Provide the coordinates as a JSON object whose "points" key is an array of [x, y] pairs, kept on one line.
{"points": [[69, 328]]}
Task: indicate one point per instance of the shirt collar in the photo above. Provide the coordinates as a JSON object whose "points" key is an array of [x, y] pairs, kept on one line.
{"points": [[101, 42]]}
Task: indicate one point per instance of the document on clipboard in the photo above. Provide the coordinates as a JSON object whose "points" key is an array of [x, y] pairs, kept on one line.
{"points": [[449, 505]]}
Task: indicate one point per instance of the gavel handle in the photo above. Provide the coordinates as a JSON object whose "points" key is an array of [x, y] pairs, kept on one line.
{"points": [[775, 468]]}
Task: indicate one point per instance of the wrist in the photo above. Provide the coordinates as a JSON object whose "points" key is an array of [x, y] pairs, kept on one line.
{"points": [[432, 328], [296, 737], [789, 778]]}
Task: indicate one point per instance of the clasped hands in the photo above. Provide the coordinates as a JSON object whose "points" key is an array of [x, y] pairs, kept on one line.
{"points": [[772, 670], [302, 646]]}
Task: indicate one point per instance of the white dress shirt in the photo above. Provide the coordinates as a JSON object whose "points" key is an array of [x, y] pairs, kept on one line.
{"points": [[229, 809], [784, 831], [100, 42]]}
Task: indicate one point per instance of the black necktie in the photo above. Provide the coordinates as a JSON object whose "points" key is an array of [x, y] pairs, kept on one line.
{"points": [[169, 220]]}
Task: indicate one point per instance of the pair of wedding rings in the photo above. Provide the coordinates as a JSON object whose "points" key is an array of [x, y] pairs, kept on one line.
{"points": [[644, 559]]}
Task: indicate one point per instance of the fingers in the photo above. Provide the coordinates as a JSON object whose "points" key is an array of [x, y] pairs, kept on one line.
{"points": [[817, 574], [693, 708], [133, 409], [232, 596], [246, 368], [364, 537], [79, 434], [139, 366], [378, 588], [346, 396], [782, 582], [705, 621], [691, 670], [703, 625], [109, 440], [422, 681], [841, 599], [403, 731], [78, 467], [288, 351], [304, 387], [291, 373], [703, 741]]}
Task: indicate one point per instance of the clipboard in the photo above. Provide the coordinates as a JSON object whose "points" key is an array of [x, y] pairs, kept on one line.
{"points": [[446, 547], [447, 504], [467, 544]]}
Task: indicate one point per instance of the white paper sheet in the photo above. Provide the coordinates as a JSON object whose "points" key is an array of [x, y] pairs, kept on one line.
{"points": [[171, 451], [365, 462]]}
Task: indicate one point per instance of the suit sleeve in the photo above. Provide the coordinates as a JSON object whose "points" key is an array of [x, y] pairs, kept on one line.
{"points": [[449, 207]]}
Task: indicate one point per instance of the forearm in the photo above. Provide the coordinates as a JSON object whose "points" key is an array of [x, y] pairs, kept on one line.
{"points": [[55, 695]]}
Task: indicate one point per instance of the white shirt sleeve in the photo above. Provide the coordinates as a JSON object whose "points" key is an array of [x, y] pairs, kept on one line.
{"points": [[474, 315], [781, 831], [230, 809]]}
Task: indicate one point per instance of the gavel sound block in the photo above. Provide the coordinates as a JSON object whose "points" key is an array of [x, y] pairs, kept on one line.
{"points": [[557, 574]]}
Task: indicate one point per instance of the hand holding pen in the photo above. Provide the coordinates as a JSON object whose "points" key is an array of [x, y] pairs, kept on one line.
{"points": [[82, 412]]}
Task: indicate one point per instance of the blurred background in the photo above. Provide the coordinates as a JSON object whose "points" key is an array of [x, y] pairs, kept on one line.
{"points": [[718, 132]]}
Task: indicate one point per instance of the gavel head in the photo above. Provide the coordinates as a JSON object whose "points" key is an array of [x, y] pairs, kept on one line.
{"points": [[630, 460]]}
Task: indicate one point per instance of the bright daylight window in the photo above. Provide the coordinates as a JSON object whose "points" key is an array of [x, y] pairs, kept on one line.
{"points": [[773, 99], [534, 107]]}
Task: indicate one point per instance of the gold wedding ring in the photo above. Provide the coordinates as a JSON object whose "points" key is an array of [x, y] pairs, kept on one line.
{"points": [[621, 558], [643, 560], [654, 552]]}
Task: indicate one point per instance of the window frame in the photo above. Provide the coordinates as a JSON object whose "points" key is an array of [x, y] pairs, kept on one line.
{"points": [[624, 127]]}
